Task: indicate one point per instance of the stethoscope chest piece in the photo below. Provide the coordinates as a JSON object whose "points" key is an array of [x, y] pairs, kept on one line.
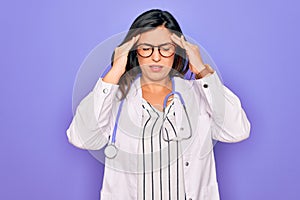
{"points": [[110, 151]]}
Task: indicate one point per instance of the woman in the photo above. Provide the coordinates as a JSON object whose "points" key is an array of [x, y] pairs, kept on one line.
{"points": [[158, 128]]}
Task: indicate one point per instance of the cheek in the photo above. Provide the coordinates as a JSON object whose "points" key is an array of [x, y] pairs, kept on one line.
{"points": [[142, 61], [168, 61]]}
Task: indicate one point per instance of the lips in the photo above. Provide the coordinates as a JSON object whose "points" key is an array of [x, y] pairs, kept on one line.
{"points": [[155, 68]]}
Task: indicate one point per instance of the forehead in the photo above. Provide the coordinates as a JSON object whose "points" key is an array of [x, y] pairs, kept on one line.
{"points": [[156, 36]]}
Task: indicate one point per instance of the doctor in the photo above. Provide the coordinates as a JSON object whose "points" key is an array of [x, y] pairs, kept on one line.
{"points": [[164, 145]]}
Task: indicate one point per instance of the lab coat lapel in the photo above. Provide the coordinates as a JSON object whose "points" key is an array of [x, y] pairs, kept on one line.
{"points": [[134, 102]]}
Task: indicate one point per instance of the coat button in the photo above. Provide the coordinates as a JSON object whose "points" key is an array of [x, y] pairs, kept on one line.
{"points": [[205, 85], [105, 90], [187, 163]]}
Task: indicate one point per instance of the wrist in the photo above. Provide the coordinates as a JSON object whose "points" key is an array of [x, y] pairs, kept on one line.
{"points": [[117, 71], [113, 75], [205, 71]]}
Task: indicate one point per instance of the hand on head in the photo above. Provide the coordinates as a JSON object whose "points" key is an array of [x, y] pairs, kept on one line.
{"points": [[193, 53], [121, 53]]}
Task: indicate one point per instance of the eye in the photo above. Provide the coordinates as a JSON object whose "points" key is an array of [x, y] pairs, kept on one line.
{"points": [[144, 47], [166, 48]]}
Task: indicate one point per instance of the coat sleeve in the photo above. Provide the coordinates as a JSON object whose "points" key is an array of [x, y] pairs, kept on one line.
{"points": [[229, 120], [92, 123]]}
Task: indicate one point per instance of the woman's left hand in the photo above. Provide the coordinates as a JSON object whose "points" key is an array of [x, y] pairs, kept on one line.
{"points": [[193, 53]]}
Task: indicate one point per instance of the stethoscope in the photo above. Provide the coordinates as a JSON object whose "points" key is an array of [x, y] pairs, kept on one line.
{"points": [[111, 150]]}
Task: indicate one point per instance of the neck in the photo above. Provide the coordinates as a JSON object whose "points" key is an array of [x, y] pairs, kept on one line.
{"points": [[156, 86]]}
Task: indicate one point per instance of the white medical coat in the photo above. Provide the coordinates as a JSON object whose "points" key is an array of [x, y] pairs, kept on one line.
{"points": [[219, 117]]}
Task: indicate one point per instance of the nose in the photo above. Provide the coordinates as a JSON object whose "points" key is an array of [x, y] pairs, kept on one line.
{"points": [[156, 55]]}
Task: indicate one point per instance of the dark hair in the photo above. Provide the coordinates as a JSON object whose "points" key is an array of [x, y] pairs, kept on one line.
{"points": [[147, 21]]}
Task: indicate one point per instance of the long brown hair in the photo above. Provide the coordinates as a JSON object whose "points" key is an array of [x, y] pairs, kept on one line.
{"points": [[147, 21]]}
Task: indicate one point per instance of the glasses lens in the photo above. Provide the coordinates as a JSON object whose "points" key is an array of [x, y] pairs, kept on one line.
{"points": [[144, 50], [167, 50]]}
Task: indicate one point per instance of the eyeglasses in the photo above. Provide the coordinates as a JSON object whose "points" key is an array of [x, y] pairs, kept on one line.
{"points": [[165, 50]]}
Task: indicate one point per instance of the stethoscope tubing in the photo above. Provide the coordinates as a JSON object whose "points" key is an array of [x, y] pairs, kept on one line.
{"points": [[111, 150]]}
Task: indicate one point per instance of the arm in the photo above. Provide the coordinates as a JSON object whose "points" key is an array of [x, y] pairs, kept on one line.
{"points": [[230, 123], [93, 120]]}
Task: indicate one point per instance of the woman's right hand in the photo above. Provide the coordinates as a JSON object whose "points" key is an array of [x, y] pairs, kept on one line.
{"points": [[120, 60], [121, 54]]}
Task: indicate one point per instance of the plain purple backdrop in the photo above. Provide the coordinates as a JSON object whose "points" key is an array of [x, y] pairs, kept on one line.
{"points": [[255, 45]]}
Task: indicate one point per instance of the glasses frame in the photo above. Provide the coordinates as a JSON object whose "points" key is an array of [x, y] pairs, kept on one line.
{"points": [[152, 48]]}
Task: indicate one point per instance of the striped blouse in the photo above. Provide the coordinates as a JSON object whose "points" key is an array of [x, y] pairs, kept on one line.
{"points": [[160, 163]]}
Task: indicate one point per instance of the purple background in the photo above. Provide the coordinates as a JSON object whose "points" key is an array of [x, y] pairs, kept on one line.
{"points": [[254, 43]]}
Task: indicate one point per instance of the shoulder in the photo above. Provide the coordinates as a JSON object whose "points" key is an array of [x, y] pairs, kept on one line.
{"points": [[183, 85], [182, 81]]}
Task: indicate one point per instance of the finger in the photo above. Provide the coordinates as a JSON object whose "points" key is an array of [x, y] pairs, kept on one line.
{"points": [[183, 42], [137, 38], [134, 41], [177, 40], [186, 43], [129, 44], [193, 46]]}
